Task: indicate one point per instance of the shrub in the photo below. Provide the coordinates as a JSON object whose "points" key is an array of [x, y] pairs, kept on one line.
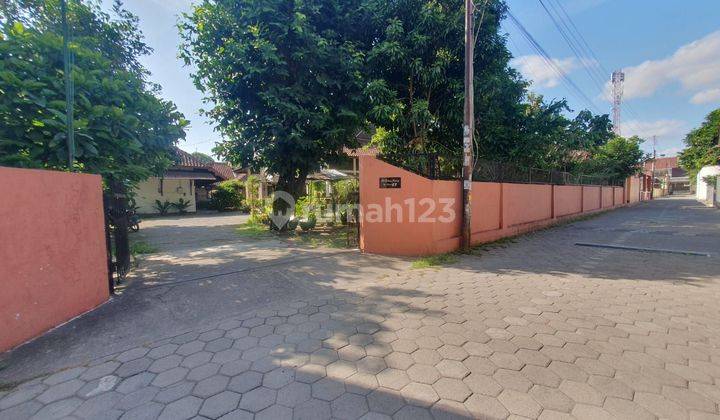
{"points": [[163, 207], [182, 205], [292, 225], [309, 223], [228, 195]]}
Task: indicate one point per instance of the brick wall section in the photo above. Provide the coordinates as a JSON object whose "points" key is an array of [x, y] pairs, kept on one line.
{"points": [[499, 209], [52, 251]]}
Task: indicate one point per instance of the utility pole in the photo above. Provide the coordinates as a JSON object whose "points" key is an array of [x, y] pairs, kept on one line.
{"points": [[69, 111], [618, 78], [652, 188], [468, 123]]}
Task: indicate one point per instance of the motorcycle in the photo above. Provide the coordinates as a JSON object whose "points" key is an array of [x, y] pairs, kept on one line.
{"points": [[133, 221]]}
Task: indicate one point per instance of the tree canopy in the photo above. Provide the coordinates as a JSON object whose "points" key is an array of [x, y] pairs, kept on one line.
{"points": [[291, 83], [123, 129], [702, 146], [284, 80]]}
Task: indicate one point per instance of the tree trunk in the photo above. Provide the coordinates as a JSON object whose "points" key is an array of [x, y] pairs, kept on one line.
{"points": [[293, 185]]}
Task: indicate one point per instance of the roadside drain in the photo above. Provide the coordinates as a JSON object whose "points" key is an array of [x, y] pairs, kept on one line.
{"points": [[639, 249]]}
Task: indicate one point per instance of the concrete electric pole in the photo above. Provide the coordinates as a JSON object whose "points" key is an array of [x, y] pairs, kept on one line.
{"points": [[468, 123], [652, 189], [618, 78]]}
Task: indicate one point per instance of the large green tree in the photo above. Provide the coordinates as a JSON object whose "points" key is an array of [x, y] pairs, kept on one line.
{"points": [[615, 160], [702, 146], [415, 67], [283, 78], [123, 130], [415, 88]]}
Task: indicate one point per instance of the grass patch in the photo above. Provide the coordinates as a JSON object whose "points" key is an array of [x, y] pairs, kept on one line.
{"points": [[434, 261], [254, 230], [321, 236], [328, 237], [142, 248]]}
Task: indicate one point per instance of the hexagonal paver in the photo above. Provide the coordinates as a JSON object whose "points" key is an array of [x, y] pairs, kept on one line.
{"points": [[184, 408], [426, 357], [327, 389], [313, 409], [399, 360], [170, 377], [423, 374], [340, 369], [60, 391], [393, 379], [349, 406], [245, 382], [294, 394], [452, 369], [519, 403], [220, 404], [481, 406], [422, 395], [211, 386], [452, 389], [258, 399]]}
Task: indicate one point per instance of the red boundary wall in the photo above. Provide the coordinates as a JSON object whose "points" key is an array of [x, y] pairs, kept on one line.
{"points": [[52, 251], [391, 222]]}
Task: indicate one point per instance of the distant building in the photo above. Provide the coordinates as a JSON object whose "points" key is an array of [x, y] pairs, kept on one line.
{"points": [[668, 176], [189, 179]]}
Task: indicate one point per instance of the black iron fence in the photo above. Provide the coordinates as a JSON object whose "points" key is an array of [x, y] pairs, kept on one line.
{"points": [[439, 167], [429, 165], [488, 171]]}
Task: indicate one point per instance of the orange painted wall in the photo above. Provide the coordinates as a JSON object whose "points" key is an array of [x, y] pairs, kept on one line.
{"points": [[591, 198], [619, 195], [52, 251], [633, 187], [499, 210], [486, 209], [568, 200], [607, 197]]}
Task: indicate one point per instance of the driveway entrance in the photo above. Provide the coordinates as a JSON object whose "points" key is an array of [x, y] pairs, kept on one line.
{"points": [[538, 328]]}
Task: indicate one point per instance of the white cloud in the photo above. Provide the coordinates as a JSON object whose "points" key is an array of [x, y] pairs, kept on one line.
{"points": [[663, 129], [706, 96], [695, 67], [535, 68]]}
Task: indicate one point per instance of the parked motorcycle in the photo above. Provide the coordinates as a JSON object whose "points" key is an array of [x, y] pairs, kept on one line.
{"points": [[133, 221]]}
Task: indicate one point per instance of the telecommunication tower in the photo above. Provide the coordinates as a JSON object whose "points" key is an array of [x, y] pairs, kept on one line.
{"points": [[618, 77]]}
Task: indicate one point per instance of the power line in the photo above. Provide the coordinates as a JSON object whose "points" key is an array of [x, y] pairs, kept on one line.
{"points": [[571, 41], [569, 83], [602, 72]]}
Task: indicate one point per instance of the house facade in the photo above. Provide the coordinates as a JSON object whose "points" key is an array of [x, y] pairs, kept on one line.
{"points": [[669, 177], [189, 180]]}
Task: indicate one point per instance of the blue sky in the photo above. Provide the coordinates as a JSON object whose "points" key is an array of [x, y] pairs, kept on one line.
{"points": [[669, 49]]}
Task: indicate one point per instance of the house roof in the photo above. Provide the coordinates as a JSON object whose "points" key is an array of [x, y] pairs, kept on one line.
{"points": [[186, 160], [662, 163], [328, 175]]}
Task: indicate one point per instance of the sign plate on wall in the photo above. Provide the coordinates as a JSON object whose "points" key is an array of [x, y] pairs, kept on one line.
{"points": [[390, 182]]}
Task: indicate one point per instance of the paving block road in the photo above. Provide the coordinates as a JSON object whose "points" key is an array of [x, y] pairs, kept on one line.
{"points": [[536, 328]]}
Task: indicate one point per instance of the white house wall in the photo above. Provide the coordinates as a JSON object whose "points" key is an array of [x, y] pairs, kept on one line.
{"points": [[703, 190], [173, 190]]}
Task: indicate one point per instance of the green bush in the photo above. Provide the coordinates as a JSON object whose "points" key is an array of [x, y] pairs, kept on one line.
{"points": [[228, 195], [163, 207], [309, 223], [182, 205]]}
